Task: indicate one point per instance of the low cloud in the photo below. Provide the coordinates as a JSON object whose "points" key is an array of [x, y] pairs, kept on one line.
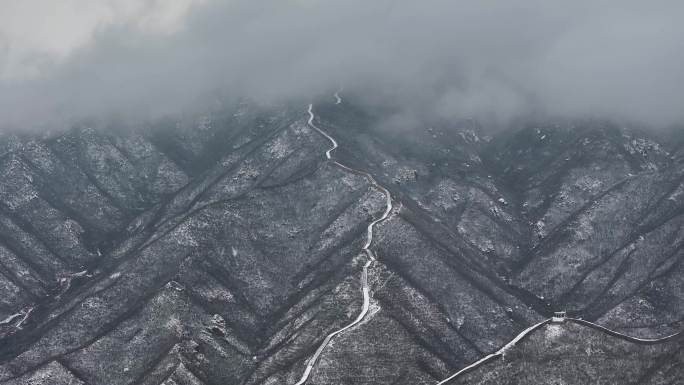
{"points": [[492, 59]]}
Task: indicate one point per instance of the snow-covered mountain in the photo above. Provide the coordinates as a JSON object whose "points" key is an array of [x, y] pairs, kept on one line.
{"points": [[224, 249]]}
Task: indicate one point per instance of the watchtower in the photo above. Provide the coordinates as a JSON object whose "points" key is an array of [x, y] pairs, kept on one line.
{"points": [[558, 317]]}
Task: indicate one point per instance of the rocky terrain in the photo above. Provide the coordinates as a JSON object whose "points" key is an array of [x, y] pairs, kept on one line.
{"points": [[223, 248]]}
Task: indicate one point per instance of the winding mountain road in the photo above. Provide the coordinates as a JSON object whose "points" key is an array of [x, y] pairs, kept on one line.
{"points": [[636, 340], [366, 247], [496, 354], [526, 332]]}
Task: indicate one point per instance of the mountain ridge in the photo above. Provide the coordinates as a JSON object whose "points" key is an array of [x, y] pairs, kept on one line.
{"points": [[247, 243]]}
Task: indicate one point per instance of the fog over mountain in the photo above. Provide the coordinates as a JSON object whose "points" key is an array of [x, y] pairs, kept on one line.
{"points": [[488, 59]]}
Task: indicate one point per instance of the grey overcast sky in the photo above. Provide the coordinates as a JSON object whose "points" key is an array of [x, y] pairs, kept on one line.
{"points": [[68, 59]]}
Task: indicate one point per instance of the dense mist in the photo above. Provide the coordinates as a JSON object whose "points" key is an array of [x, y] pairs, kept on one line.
{"points": [[491, 59]]}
